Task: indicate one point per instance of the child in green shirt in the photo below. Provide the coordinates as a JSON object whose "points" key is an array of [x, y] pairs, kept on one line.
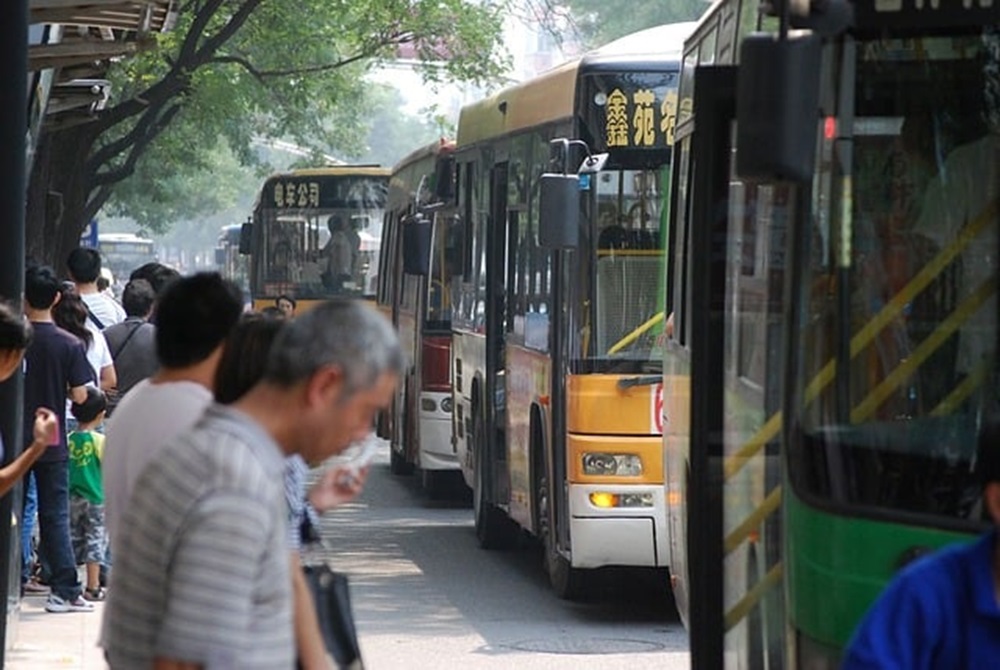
{"points": [[86, 491]]}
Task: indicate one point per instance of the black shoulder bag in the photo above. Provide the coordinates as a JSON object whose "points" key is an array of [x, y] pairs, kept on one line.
{"points": [[332, 597]]}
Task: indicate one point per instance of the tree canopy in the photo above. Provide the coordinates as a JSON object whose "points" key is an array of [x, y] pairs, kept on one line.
{"points": [[601, 21], [233, 71]]}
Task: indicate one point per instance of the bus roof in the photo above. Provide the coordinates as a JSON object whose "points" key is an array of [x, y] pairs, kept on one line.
{"points": [[551, 95], [443, 145], [336, 171]]}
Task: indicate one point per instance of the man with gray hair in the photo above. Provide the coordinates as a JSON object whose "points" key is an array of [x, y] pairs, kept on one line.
{"points": [[201, 577]]}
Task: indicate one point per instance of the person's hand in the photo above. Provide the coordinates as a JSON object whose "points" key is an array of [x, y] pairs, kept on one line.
{"points": [[338, 485], [46, 427]]}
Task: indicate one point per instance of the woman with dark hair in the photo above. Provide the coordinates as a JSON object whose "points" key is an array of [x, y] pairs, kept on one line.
{"points": [[15, 336], [70, 313]]}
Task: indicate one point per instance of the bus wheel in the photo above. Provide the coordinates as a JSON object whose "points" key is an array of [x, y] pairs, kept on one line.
{"points": [[566, 581], [398, 465], [493, 529]]}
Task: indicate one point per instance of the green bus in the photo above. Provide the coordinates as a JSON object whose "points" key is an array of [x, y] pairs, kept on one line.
{"points": [[833, 287]]}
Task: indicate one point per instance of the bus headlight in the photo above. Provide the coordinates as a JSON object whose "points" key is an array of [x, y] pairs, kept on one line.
{"points": [[609, 500], [620, 465]]}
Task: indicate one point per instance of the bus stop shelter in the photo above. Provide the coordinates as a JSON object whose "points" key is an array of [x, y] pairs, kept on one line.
{"points": [[56, 54]]}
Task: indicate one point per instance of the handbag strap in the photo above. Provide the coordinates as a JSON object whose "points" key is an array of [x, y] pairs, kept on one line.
{"points": [[121, 347]]}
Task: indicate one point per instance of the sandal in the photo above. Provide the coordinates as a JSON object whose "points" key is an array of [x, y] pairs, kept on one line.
{"points": [[94, 595]]}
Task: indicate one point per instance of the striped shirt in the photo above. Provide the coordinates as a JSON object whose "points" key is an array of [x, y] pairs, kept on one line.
{"points": [[201, 561]]}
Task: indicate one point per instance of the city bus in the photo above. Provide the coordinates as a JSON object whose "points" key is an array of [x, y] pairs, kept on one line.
{"points": [[832, 285], [315, 234], [555, 363], [415, 298], [124, 252]]}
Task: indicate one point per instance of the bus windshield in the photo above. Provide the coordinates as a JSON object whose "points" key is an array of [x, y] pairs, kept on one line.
{"points": [[319, 247], [627, 311], [915, 259]]}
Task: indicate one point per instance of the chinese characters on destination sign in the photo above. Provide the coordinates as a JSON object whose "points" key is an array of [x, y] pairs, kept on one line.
{"points": [[636, 121], [296, 194]]}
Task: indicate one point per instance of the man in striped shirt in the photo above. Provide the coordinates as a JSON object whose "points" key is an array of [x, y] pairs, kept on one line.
{"points": [[201, 577]]}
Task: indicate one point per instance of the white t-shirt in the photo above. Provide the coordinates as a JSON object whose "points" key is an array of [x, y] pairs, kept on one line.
{"points": [[98, 353], [104, 308], [149, 416]]}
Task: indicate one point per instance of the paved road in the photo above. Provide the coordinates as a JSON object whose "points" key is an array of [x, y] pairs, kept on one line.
{"points": [[426, 596]]}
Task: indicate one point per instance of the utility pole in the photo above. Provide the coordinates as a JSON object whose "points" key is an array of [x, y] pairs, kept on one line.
{"points": [[13, 183]]}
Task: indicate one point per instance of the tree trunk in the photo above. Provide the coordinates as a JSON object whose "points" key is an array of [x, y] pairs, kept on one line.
{"points": [[57, 195]]}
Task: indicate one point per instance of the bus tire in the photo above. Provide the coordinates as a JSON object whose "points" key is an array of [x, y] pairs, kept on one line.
{"points": [[493, 529], [398, 465], [567, 582]]}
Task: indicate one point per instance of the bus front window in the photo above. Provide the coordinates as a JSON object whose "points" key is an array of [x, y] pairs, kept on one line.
{"points": [[315, 253], [628, 304], [896, 427]]}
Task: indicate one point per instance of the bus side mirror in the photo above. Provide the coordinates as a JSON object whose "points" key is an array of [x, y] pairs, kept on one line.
{"points": [[777, 106], [417, 246], [246, 238], [559, 221], [444, 180]]}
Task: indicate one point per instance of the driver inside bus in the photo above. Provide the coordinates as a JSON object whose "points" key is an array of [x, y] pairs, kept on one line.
{"points": [[341, 253]]}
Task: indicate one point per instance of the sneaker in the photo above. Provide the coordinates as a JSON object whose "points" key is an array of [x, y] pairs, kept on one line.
{"points": [[33, 587], [94, 595], [58, 605]]}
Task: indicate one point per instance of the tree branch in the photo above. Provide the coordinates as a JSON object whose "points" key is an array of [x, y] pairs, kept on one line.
{"points": [[153, 129], [263, 75]]}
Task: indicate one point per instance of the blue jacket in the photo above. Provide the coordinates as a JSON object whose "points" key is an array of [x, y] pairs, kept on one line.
{"points": [[939, 612]]}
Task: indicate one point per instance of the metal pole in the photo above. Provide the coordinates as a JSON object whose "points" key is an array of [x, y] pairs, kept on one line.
{"points": [[13, 129]]}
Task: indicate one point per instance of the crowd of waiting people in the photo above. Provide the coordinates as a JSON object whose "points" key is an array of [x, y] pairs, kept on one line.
{"points": [[168, 445], [188, 507]]}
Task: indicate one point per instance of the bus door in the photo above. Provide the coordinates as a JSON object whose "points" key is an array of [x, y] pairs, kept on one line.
{"points": [[497, 310], [737, 325]]}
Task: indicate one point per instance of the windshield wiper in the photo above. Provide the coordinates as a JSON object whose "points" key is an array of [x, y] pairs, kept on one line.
{"points": [[644, 380]]}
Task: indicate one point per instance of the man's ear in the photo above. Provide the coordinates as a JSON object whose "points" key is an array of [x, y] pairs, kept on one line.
{"points": [[991, 501], [324, 386]]}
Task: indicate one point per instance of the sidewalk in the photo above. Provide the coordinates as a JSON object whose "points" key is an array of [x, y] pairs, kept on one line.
{"points": [[46, 641]]}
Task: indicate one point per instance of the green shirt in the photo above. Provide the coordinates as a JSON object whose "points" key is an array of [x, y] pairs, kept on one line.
{"points": [[86, 450]]}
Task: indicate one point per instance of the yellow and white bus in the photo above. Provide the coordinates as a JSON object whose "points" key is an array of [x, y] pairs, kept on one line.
{"points": [[555, 352]]}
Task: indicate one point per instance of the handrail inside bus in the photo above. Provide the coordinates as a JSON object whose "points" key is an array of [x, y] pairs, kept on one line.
{"points": [[892, 309], [636, 334]]}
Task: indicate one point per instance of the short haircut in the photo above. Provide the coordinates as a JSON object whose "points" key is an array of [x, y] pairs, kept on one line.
{"points": [[15, 330], [41, 286], [245, 356], [91, 408], [989, 449], [138, 297], [158, 275], [343, 333], [194, 316], [287, 297], [84, 265]]}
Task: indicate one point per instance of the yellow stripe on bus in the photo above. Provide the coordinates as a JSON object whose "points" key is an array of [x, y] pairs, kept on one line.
{"points": [[742, 608], [635, 334], [962, 391], [924, 350], [866, 335], [752, 522]]}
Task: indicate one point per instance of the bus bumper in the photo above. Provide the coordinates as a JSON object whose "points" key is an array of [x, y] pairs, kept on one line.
{"points": [[436, 449], [627, 536]]}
